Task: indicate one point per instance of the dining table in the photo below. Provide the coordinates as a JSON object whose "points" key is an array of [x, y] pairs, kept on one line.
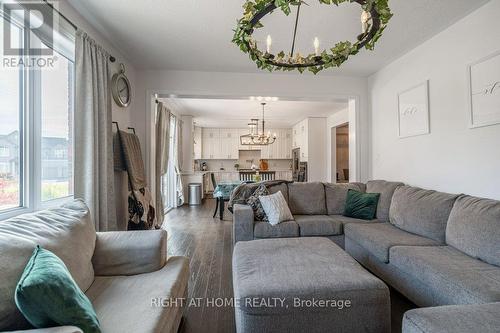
{"points": [[223, 192]]}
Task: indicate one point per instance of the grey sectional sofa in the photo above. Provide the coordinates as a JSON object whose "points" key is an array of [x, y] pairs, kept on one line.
{"points": [[126, 275], [435, 248], [317, 209]]}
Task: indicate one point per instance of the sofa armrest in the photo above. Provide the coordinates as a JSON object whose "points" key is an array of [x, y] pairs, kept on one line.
{"points": [[243, 221], [453, 319], [59, 329], [129, 252]]}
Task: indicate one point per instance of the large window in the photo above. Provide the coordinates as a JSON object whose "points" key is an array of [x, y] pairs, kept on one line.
{"points": [[36, 129]]}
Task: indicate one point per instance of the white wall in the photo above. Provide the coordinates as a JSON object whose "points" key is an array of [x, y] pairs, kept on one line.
{"points": [[122, 115], [452, 158], [244, 84]]}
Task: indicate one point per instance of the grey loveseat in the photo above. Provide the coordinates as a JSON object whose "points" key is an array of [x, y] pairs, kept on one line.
{"points": [[124, 274], [435, 248]]}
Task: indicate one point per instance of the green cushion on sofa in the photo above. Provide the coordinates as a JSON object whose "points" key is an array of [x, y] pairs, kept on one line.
{"points": [[361, 205], [48, 296]]}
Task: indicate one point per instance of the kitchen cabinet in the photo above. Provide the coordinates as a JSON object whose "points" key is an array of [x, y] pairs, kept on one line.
{"points": [[300, 138], [197, 141], [281, 148], [229, 143], [224, 144]]}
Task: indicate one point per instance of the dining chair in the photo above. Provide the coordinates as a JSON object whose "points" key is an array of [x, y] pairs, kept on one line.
{"points": [[220, 202]]}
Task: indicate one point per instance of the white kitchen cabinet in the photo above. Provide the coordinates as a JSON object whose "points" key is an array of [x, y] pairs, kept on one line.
{"points": [[198, 147], [229, 141], [282, 148]]}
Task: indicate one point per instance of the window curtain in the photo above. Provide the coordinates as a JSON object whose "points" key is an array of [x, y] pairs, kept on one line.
{"points": [[178, 164], [162, 151], [94, 178]]}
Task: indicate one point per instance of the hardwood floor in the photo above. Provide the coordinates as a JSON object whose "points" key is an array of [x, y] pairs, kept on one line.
{"points": [[207, 242]]}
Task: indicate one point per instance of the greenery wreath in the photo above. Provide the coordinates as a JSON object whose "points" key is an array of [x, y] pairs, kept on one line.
{"points": [[255, 10]]}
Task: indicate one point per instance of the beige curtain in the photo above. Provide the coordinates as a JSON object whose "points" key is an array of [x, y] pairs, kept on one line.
{"points": [[178, 163], [94, 177], [162, 151]]}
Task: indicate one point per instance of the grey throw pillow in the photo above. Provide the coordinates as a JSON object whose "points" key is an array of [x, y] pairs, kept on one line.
{"points": [[254, 202]]}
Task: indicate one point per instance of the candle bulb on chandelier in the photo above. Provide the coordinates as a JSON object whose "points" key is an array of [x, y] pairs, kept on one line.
{"points": [[365, 17], [269, 43], [316, 46]]}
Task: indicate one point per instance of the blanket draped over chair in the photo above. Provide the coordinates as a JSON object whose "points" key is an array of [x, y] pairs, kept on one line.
{"points": [[244, 191], [140, 204]]}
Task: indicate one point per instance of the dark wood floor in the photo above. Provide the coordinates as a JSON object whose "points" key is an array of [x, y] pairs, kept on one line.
{"points": [[208, 243]]}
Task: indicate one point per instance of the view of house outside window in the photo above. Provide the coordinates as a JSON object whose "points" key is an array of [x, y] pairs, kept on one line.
{"points": [[36, 126]]}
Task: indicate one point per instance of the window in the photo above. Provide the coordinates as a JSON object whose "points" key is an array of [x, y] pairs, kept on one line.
{"points": [[169, 180], [4, 151], [36, 131]]}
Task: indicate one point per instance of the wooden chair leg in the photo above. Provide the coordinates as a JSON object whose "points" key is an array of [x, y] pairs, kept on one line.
{"points": [[216, 206]]}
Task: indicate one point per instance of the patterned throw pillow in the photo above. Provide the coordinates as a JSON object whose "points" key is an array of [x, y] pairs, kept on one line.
{"points": [[276, 208], [254, 202]]}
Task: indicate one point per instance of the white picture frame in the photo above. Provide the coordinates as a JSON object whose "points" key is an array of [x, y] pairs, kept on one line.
{"points": [[484, 91], [413, 111]]}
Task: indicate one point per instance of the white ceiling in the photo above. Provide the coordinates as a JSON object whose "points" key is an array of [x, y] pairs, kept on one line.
{"points": [[196, 35], [236, 113]]}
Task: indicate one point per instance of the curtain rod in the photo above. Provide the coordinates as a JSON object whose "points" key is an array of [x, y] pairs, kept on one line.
{"points": [[111, 58]]}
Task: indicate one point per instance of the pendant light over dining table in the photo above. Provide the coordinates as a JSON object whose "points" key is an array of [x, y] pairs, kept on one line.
{"points": [[258, 136]]}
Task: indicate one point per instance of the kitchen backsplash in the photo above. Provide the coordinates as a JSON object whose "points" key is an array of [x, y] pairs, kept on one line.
{"points": [[214, 165]]}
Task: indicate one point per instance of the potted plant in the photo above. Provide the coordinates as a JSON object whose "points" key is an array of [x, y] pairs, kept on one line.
{"points": [[236, 166]]}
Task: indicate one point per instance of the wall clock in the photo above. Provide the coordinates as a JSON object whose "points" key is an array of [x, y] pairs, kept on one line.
{"points": [[120, 87]]}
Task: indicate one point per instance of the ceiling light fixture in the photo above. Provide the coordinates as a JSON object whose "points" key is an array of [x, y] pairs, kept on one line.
{"points": [[374, 19], [258, 137]]}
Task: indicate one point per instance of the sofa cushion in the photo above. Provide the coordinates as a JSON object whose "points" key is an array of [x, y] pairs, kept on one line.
{"points": [[482, 318], [284, 229], [275, 188], [422, 212], [474, 228], [276, 208], [254, 202], [307, 198], [318, 225], [336, 195], [344, 219], [361, 205], [67, 231], [378, 238], [47, 294], [386, 190], [134, 303], [453, 277]]}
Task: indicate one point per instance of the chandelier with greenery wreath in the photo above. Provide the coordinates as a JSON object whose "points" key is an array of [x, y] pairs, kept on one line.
{"points": [[374, 18]]}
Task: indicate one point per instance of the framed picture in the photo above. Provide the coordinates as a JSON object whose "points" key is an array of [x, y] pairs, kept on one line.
{"points": [[413, 111], [484, 91]]}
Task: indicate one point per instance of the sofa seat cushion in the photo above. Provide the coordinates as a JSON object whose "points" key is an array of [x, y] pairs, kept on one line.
{"points": [[474, 228], [482, 318], [454, 277], [378, 238], [284, 229], [345, 220], [386, 190], [318, 225], [307, 198], [67, 231], [336, 195], [422, 212], [133, 303]]}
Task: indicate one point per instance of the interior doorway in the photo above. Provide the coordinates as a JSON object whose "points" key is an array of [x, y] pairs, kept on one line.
{"points": [[342, 153]]}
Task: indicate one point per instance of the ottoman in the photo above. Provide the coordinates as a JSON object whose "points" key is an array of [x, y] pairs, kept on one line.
{"points": [[305, 285]]}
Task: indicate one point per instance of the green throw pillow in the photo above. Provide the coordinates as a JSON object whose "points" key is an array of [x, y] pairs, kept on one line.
{"points": [[361, 205], [48, 296]]}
